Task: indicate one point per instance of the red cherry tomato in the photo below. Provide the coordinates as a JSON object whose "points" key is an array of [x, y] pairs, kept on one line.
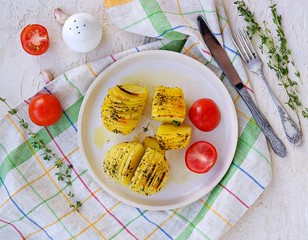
{"points": [[200, 157], [204, 114], [45, 110], [34, 39]]}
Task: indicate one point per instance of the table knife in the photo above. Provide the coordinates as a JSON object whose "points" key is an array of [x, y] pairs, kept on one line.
{"points": [[221, 57]]}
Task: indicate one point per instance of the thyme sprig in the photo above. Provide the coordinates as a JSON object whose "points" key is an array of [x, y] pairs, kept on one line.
{"points": [[64, 170], [279, 55]]}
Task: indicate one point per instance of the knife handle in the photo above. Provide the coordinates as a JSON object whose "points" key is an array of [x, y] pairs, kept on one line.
{"points": [[276, 144]]}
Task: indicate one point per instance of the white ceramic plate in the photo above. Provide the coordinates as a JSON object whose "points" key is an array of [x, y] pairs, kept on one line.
{"points": [[150, 69]]}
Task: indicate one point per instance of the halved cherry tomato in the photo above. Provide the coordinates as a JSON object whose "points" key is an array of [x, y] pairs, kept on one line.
{"points": [[204, 114], [34, 39], [200, 157], [45, 110]]}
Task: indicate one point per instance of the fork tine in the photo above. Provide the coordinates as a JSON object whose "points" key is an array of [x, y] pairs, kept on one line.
{"points": [[251, 47], [246, 42], [241, 48]]}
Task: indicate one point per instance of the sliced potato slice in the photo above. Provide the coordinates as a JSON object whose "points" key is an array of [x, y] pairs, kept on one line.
{"points": [[112, 161], [171, 137], [151, 173], [168, 105], [129, 92], [123, 107], [122, 160], [152, 142], [131, 164]]}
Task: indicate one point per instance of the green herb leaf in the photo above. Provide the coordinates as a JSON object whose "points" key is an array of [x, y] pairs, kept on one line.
{"points": [[12, 111], [279, 56], [176, 123], [64, 170]]}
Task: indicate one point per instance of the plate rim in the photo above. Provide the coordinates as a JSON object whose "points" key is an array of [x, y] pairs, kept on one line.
{"points": [[97, 80]]}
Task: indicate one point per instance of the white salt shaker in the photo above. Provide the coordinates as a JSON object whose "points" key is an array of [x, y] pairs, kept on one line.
{"points": [[81, 32]]}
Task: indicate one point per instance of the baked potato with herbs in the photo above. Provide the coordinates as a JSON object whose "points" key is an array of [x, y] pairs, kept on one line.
{"points": [[151, 173], [145, 171], [171, 137], [122, 160], [123, 107], [168, 105]]}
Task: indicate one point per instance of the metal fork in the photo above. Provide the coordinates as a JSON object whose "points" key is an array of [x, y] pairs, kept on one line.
{"points": [[254, 64]]}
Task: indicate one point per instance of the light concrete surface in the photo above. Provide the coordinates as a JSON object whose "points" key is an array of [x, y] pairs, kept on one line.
{"points": [[282, 210]]}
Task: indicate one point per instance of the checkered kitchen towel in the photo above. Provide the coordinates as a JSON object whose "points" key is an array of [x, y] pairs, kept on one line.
{"points": [[34, 205]]}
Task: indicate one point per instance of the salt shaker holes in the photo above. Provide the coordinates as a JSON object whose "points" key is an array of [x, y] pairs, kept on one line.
{"points": [[82, 32]]}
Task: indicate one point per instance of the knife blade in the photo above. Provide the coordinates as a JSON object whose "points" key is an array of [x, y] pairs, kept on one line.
{"points": [[222, 59]]}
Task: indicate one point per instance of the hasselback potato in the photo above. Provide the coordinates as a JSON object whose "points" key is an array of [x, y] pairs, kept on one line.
{"points": [[171, 137], [145, 171], [151, 173], [144, 168], [122, 160], [123, 107], [168, 105]]}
